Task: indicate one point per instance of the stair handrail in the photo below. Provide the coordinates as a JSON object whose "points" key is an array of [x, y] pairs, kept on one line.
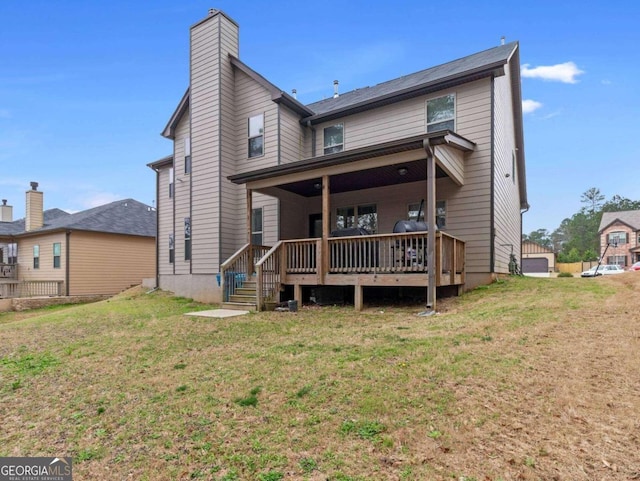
{"points": [[261, 295], [229, 265]]}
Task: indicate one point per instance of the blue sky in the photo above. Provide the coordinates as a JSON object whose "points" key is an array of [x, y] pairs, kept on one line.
{"points": [[87, 86]]}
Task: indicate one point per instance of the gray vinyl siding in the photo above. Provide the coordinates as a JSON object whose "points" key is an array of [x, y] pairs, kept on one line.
{"points": [[182, 195], [292, 136], [211, 106], [506, 196], [165, 221], [468, 206], [254, 99], [231, 212]]}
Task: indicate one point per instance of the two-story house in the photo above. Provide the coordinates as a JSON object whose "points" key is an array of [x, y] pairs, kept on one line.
{"points": [[363, 190], [620, 237]]}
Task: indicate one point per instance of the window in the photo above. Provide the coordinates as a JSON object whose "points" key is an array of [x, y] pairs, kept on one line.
{"points": [[57, 249], [187, 238], [12, 253], [187, 155], [441, 113], [617, 238], [619, 260], [364, 216], [172, 251], [441, 213], [36, 257], [256, 226], [171, 182], [256, 135], [334, 139]]}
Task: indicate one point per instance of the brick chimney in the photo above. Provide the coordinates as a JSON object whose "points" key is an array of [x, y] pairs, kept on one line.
{"points": [[6, 212], [34, 218]]}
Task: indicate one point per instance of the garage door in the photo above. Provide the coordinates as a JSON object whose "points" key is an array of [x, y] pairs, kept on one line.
{"points": [[535, 264]]}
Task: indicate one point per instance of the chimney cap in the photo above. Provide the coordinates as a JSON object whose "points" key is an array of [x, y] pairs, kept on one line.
{"points": [[4, 201], [34, 186]]}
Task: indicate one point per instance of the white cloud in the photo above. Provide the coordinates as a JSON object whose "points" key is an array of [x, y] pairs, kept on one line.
{"points": [[562, 72], [97, 199], [529, 106]]}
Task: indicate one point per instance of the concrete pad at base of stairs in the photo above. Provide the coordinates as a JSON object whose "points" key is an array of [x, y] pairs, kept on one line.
{"points": [[220, 313]]}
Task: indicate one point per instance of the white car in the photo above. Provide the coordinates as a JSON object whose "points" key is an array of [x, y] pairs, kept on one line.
{"points": [[603, 270]]}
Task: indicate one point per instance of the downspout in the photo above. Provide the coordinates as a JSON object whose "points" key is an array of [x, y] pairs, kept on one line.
{"points": [[492, 188], [313, 138], [67, 263], [158, 220], [523, 212]]}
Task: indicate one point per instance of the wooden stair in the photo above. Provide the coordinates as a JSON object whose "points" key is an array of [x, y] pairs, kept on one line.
{"points": [[245, 297]]}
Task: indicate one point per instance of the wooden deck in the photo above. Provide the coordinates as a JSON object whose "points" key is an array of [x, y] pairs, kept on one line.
{"points": [[359, 261]]}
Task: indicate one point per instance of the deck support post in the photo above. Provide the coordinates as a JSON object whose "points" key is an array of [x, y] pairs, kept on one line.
{"points": [[358, 297], [431, 233]]}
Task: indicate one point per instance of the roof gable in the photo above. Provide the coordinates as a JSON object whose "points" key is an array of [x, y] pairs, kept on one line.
{"points": [[628, 217]]}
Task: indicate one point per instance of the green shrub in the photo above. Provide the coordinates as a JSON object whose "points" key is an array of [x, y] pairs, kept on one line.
{"points": [[565, 274]]}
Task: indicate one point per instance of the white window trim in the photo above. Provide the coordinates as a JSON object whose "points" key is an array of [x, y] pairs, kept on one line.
{"points": [[455, 111]]}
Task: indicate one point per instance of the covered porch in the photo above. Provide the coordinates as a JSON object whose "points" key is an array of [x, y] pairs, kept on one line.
{"points": [[335, 256]]}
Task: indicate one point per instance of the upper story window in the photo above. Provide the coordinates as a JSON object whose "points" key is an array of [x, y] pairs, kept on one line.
{"points": [[57, 251], [334, 139], [256, 136], [187, 155], [36, 257], [12, 253], [617, 238], [441, 113], [171, 182]]}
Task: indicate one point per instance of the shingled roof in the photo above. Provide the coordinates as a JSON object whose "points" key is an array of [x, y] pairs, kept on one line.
{"points": [[629, 217], [481, 63], [128, 217]]}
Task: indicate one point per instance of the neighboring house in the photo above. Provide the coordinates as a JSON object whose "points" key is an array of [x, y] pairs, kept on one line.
{"points": [[620, 237], [102, 250], [537, 259], [259, 182]]}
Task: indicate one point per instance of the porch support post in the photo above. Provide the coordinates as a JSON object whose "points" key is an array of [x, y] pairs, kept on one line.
{"points": [[326, 227], [249, 194], [431, 233]]}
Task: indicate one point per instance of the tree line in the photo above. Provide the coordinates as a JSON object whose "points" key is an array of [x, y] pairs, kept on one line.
{"points": [[577, 238]]}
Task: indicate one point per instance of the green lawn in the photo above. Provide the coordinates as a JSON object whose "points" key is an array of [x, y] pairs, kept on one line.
{"points": [[133, 389]]}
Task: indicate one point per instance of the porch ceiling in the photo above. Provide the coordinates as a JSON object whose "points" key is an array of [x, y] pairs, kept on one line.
{"points": [[364, 179]]}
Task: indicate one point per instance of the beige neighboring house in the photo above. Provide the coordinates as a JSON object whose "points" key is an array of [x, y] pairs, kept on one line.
{"points": [[102, 250], [266, 199], [620, 237], [537, 260]]}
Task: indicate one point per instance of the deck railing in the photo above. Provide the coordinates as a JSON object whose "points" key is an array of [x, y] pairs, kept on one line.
{"points": [[380, 254], [13, 289], [374, 254]]}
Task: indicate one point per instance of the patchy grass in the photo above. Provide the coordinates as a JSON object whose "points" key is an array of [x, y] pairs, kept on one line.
{"points": [[523, 379]]}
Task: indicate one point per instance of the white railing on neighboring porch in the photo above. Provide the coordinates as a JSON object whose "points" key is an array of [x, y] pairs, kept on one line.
{"points": [[8, 271], [13, 289]]}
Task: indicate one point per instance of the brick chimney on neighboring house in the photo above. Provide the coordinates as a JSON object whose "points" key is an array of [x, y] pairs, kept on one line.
{"points": [[6, 212], [34, 218]]}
